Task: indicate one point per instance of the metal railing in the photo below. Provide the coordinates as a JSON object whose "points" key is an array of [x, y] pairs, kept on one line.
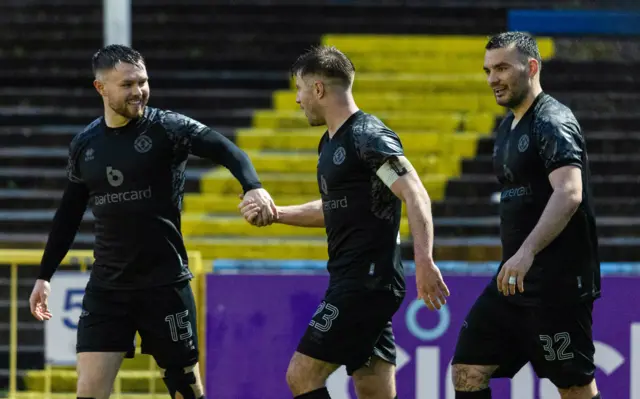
{"points": [[81, 260]]}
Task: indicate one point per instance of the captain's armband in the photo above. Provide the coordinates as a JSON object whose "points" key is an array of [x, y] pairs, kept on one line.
{"points": [[394, 169]]}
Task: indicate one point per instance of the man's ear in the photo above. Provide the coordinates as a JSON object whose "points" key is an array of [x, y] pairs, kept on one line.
{"points": [[99, 87], [319, 90], [534, 67]]}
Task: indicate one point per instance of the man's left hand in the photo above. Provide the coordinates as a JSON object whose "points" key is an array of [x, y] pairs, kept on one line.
{"points": [[513, 272]]}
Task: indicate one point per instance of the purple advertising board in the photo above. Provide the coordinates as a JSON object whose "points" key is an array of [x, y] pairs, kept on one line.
{"points": [[254, 323]]}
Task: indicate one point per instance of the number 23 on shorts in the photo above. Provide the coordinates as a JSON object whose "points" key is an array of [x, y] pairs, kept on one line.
{"points": [[329, 314]]}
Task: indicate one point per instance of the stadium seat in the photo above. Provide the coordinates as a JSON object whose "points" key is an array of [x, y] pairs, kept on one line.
{"points": [[430, 90], [400, 120], [222, 182], [403, 45], [284, 100]]}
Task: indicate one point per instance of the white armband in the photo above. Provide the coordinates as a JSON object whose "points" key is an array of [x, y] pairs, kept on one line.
{"points": [[394, 169]]}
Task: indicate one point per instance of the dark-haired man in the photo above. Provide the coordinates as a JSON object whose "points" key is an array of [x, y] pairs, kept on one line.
{"points": [[363, 178], [538, 307], [130, 164]]}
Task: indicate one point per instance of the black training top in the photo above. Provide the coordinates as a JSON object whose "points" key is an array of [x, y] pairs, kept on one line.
{"points": [[547, 137], [361, 214], [134, 179]]}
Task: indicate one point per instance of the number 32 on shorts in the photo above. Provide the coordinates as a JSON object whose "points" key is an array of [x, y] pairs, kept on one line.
{"points": [[329, 314], [562, 340]]}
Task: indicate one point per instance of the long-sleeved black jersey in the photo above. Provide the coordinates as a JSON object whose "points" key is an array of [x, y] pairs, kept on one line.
{"points": [[133, 177]]}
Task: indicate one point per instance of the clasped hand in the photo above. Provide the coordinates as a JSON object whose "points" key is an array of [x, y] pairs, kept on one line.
{"points": [[258, 208]]}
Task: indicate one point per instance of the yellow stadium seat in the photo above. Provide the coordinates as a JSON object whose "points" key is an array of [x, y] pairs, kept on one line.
{"points": [[419, 83], [253, 248], [420, 44], [411, 63], [415, 143], [406, 44], [299, 141], [302, 139], [267, 162], [228, 204], [430, 90], [222, 182], [66, 381], [284, 100], [426, 159], [194, 225], [431, 121], [137, 380], [466, 144]]}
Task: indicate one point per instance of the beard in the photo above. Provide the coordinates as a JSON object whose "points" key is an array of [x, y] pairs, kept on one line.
{"points": [[128, 110], [314, 120], [516, 92], [515, 98]]}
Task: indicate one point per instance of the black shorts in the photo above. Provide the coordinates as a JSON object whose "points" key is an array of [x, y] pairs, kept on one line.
{"points": [[557, 341], [350, 326], [164, 316]]}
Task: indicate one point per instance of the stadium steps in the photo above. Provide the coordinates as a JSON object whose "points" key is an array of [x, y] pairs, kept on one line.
{"points": [[52, 136], [141, 376], [600, 164], [61, 115], [439, 112], [204, 100], [45, 178], [222, 228], [454, 207]]}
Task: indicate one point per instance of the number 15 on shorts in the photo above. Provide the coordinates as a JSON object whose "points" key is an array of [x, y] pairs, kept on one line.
{"points": [[329, 314], [179, 325]]}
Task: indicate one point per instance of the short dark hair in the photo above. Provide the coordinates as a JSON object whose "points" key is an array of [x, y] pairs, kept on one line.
{"points": [[108, 57], [523, 42], [326, 61]]}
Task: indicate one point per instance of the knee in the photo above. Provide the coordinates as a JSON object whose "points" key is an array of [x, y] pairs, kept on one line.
{"points": [[376, 380], [183, 381], [579, 392], [301, 381], [92, 388], [367, 391], [468, 378], [295, 379], [93, 384]]}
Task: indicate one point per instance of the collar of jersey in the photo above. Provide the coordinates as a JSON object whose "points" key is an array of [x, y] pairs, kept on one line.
{"points": [[132, 124], [346, 124]]}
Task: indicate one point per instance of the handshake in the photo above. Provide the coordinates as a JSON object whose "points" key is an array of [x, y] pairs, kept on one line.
{"points": [[257, 207]]}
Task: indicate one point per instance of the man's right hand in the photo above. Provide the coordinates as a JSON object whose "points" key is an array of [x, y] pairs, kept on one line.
{"points": [[39, 300], [256, 213], [430, 285]]}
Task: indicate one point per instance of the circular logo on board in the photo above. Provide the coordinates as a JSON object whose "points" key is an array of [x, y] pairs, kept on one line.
{"points": [[339, 155], [142, 144], [523, 143]]}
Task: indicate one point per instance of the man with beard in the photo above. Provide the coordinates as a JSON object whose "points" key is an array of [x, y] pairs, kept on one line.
{"points": [[131, 164], [363, 178], [538, 307]]}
